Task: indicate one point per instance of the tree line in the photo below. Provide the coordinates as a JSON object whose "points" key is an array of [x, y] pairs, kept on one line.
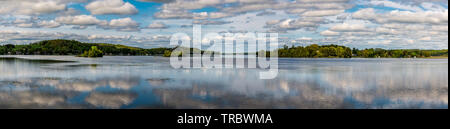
{"points": [[336, 51], [399, 53], [72, 47], [315, 51]]}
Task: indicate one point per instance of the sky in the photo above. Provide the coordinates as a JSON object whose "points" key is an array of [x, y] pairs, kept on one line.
{"points": [[389, 24]]}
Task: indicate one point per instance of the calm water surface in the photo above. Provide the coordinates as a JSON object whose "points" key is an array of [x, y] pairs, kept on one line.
{"points": [[150, 82]]}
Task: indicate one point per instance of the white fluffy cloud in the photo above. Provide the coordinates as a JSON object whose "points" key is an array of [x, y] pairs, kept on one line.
{"points": [[211, 15], [34, 7], [406, 27], [388, 31], [349, 27], [428, 17], [82, 20], [111, 7], [179, 8], [157, 25], [21, 37], [49, 24], [173, 14], [378, 23], [392, 4], [34, 22], [321, 13], [123, 24], [310, 23], [329, 33]]}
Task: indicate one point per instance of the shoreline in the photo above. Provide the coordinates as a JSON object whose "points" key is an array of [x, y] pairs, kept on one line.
{"points": [[437, 57]]}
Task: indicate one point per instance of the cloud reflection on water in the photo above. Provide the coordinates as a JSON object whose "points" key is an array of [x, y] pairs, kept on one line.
{"points": [[302, 84]]}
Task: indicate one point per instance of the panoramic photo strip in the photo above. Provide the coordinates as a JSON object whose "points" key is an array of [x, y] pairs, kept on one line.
{"points": [[251, 63]]}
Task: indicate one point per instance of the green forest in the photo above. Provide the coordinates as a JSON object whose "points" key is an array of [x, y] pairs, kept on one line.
{"points": [[72, 47], [335, 51], [400, 53], [315, 51]]}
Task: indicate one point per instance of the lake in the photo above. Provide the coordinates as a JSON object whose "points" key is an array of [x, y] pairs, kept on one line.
{"points": [[150, 83]]}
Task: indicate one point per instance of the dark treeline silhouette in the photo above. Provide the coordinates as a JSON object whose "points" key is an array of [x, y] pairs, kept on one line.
{"points": [[399, 53], [335, 51], [72, 47], [315, 51]]}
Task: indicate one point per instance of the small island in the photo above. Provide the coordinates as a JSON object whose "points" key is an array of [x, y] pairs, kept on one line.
{"points": [[95, 50]]}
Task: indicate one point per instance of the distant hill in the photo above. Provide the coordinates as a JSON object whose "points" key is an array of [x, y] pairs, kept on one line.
{"points": [[72, 47]]}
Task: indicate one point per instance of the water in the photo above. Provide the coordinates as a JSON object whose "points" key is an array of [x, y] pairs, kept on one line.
{"points": [[150, 82]]}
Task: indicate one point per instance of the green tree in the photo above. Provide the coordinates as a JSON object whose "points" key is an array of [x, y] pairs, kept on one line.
{"points": [[167, 53], [92, 53]]}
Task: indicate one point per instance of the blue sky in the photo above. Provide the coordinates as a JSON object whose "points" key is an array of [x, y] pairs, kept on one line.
{"points": [[391, 24]]}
